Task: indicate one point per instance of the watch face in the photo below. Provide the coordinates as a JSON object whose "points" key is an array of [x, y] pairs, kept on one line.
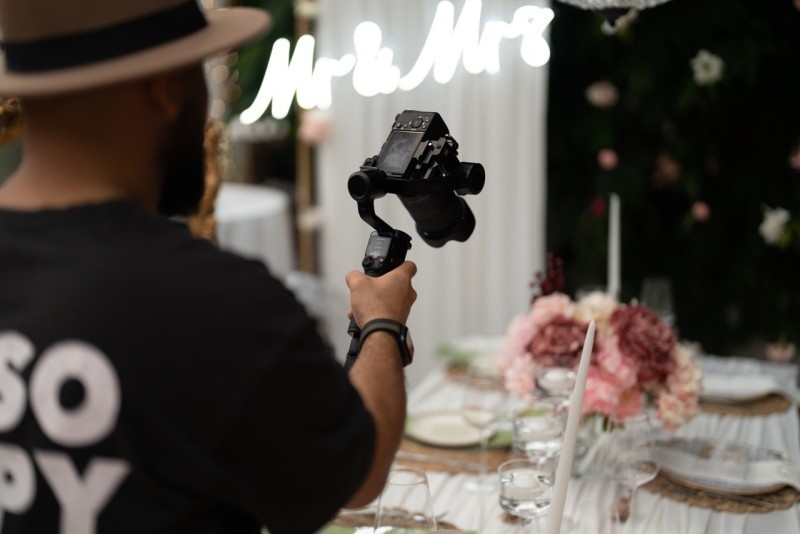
{"points": [[409, 345]]}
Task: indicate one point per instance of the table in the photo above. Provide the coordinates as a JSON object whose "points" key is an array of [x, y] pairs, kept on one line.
{"points": [[255, 222], [588, 496]]}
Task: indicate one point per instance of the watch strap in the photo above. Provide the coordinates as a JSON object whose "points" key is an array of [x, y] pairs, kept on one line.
{"points": [[396, 328]]}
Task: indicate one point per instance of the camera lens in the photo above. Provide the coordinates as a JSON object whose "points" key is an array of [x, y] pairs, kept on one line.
{"points": [[440, 217]]}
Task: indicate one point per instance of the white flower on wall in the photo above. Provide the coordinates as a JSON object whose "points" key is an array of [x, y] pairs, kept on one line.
{"points": [[771, 228], [707, 68], [602, 94]]}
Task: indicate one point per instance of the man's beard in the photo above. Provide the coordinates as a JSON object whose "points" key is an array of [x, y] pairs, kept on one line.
{"points": [[183, 164]]}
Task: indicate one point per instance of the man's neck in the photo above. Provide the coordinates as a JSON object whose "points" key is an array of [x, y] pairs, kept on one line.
{"points": [[59, 174]]}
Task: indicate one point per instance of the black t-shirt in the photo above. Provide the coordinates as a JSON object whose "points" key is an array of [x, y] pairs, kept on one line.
{"points": [[150, 383]]}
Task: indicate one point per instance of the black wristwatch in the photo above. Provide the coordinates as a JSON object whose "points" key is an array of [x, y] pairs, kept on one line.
{"points": [[399, 332]]}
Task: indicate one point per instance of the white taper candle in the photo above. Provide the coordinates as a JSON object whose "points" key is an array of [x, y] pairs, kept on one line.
{"points": [[614, 244], [564, 469]]}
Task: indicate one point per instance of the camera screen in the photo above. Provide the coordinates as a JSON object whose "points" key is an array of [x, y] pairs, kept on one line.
{"points": [[398, 151]]}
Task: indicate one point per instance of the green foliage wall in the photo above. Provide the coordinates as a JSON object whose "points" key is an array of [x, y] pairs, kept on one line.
{"points": [[695, 164]]}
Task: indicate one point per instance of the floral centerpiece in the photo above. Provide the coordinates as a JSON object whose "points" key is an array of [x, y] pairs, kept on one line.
{"points": [[636, 358]]}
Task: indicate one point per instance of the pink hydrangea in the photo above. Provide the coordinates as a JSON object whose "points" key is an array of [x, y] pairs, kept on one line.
{"points": [[613, 362], [601, 394], [518, 376], [644, 336], [674, 411], [559, 342], [518, 337], [604, 395]]}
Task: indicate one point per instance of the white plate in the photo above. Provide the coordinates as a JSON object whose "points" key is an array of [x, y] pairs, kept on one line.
{"points": [[442, 429], [723, 467], [739, 387]]}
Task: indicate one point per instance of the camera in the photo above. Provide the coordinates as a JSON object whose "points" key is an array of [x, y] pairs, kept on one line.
{"points": [[419, 162]]}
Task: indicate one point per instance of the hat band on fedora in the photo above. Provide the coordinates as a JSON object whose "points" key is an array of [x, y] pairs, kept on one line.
{"points": [[31, 57]]}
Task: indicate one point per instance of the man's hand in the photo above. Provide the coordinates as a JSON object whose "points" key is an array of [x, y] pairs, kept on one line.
{"points": [[389, 296]]}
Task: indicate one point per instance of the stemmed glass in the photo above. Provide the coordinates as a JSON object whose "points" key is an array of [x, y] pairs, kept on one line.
{"points": [[526, 488], [657, 295], [483, 403], [631, 463], [405, 503]]}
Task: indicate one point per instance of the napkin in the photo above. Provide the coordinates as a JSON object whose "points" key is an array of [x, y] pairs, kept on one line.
{"points": [[464, 350]]}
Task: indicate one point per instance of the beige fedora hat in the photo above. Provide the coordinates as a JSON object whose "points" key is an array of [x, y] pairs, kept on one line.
{"points": [[58, 46]]}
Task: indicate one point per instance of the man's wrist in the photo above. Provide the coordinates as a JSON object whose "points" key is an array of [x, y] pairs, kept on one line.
{"points": [[398, 331]]}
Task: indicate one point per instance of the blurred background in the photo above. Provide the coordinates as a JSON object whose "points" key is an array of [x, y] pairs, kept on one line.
{"points": [[689, 111]]}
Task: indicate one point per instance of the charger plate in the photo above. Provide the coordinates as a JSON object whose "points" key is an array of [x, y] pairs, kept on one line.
{"points": [[722, 467]]}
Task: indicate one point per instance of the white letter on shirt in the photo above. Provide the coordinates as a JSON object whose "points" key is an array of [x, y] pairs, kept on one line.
{"points": [[81, 500]]}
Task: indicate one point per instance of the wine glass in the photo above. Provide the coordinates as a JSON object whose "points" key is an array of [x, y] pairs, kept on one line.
{"points": [[526, 488], [631, 463], [483, 403], [405, 503], [657, 295]]}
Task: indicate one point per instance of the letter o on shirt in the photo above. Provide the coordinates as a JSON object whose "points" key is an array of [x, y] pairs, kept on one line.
{"points": [[96, 415]]}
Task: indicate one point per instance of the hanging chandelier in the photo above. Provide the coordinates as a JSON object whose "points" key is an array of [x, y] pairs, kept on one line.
{"points": [[614, 10]]}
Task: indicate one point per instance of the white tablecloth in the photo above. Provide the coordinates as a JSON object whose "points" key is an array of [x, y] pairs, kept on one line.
{"points": [[590, 496], [255, 222]]}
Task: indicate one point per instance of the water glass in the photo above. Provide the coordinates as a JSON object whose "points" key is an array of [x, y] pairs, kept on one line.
{"points": [[538, 431], [555, 381], [526, 487], [405, 503]]}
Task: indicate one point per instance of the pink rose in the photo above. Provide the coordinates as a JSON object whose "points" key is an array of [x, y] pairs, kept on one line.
{"points": [[700, 211], [597, 305], [548, 307], [607, 159]]}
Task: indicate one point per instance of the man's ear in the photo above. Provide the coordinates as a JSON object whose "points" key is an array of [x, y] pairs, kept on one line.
{"points": [[164, 93]]}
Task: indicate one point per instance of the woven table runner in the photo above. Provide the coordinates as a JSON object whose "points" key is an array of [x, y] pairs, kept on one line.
{"points": [[738, 504], [437, 458], [768, 405]]}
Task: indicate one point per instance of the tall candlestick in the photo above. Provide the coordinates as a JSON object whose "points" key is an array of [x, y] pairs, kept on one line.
{"points": [[564, 469], [613, 286]]}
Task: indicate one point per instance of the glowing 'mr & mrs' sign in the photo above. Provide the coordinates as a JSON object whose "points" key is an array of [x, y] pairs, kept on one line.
{"points": [[372, 65]]}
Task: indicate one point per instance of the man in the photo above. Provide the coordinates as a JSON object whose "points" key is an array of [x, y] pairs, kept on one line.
{"points": [[148, 382]]}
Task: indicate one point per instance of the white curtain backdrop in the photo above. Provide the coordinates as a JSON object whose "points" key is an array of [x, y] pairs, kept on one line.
{"points": [[499, 120]]}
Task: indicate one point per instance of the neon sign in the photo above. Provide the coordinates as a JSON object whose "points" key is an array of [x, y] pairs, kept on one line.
{"points": [[372, 67]]}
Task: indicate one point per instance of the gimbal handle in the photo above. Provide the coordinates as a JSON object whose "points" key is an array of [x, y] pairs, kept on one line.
{"points": [[386, 249]]}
